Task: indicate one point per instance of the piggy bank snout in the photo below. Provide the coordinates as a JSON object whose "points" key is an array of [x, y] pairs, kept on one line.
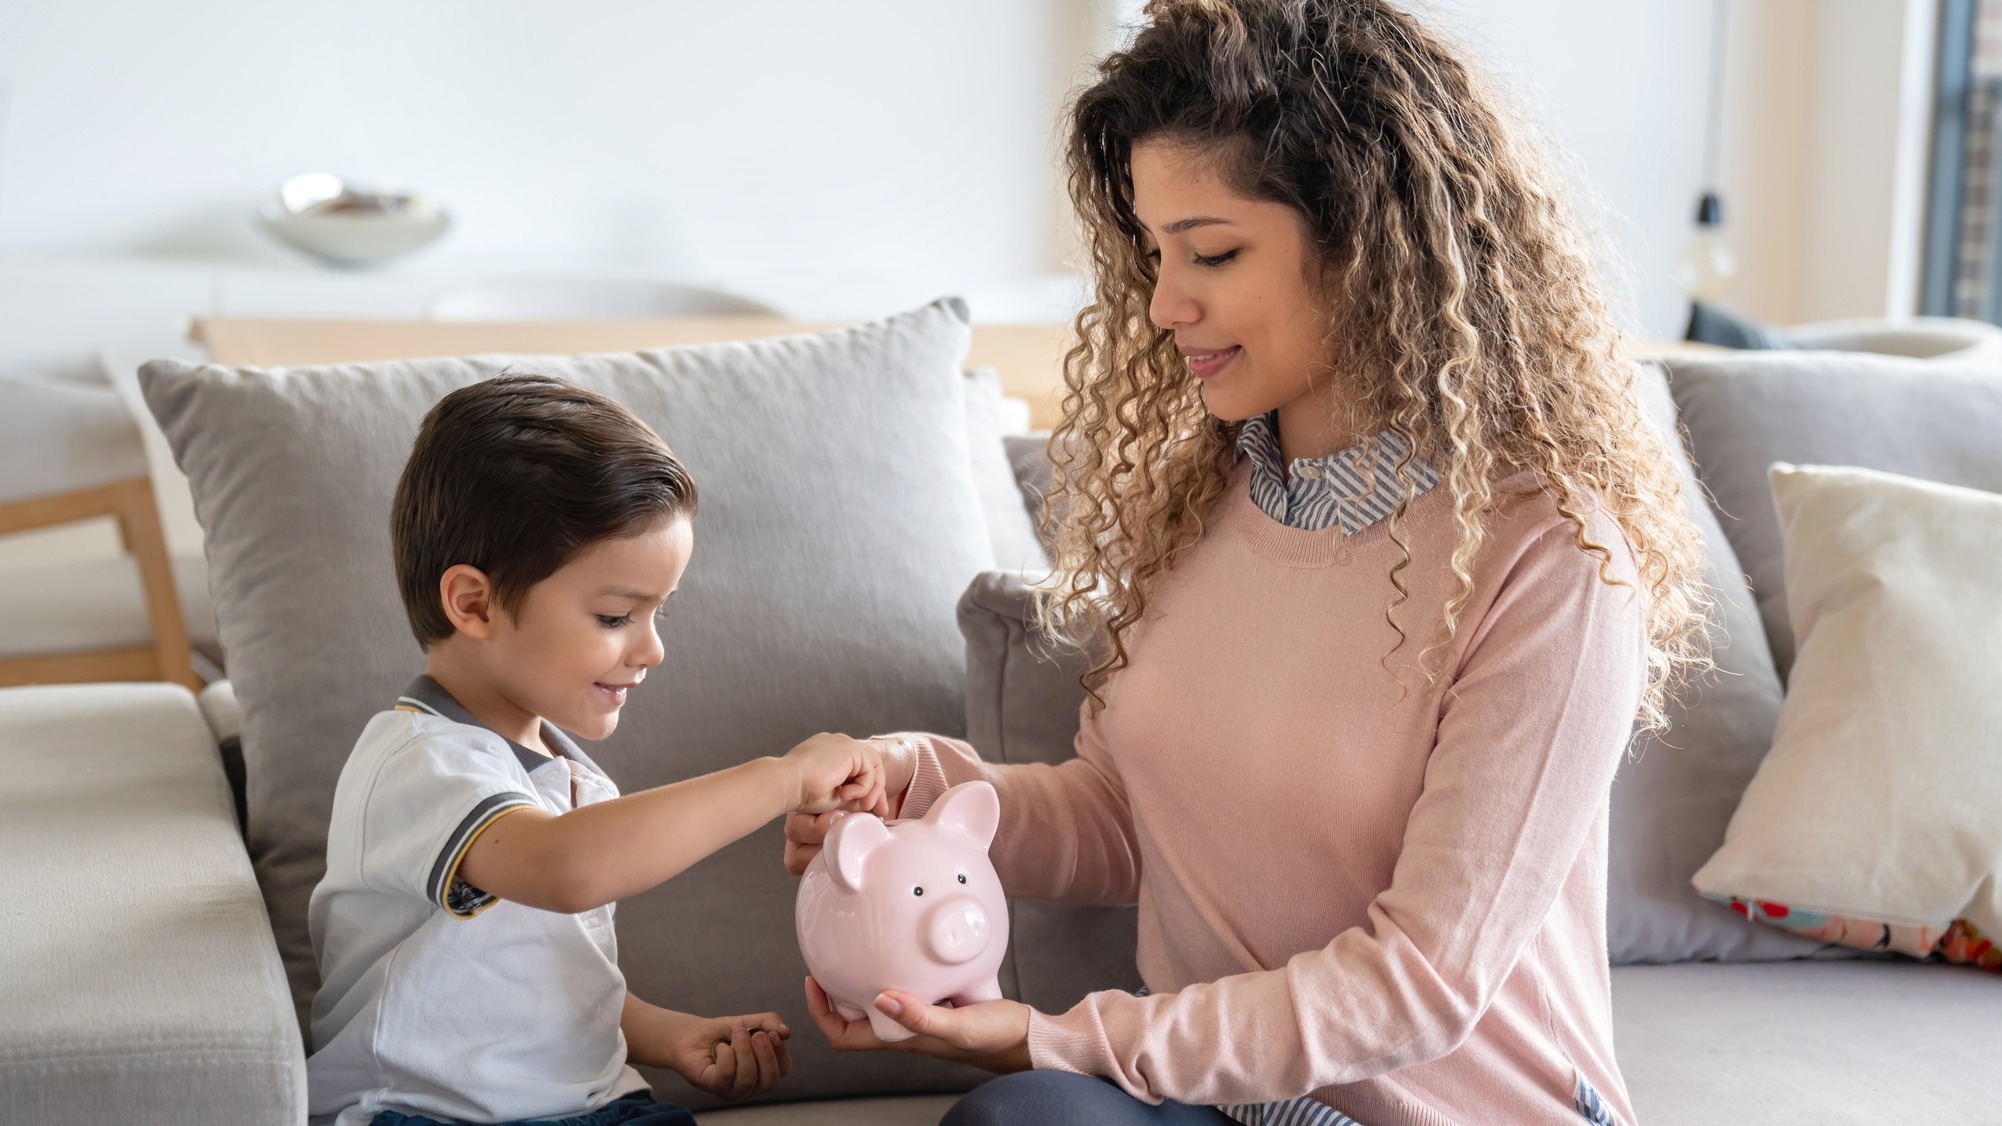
{"points": [[957, 930]]}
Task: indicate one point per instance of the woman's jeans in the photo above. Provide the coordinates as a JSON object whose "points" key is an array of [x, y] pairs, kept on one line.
{"points": [[1059, 1098]]}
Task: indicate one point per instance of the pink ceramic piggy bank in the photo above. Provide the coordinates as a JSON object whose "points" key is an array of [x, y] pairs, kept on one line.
{"points": [[911, 905]]}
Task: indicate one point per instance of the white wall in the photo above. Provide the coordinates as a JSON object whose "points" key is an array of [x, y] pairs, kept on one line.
{"points": [[1867, 128], [836, 159], [1621, 86], [1769, 77], [794, 147]]}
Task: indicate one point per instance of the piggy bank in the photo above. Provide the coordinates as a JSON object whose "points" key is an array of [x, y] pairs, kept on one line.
{"points": [[911, 905]]}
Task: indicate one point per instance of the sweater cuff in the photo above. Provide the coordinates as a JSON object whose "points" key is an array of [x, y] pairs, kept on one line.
{"points": [[1073, 1041], [928, 780]]}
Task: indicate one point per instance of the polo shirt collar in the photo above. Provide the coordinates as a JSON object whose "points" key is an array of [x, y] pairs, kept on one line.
{"points": [[428, 695]]}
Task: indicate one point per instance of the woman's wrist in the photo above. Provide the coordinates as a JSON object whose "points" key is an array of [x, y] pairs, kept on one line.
{"points": [[900, 766]]}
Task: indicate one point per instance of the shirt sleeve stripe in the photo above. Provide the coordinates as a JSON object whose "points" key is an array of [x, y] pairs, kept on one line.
{"points": [[490, 809]]}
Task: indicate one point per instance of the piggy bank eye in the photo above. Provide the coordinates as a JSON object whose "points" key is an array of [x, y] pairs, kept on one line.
{"points": [[917, 891], [962, 877]]}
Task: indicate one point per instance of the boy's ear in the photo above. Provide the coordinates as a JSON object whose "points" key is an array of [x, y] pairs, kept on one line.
{"points": [[468, 598]]}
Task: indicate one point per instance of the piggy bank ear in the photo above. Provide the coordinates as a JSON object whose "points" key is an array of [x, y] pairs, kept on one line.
{"points": [[971, 807], [849, 843]]}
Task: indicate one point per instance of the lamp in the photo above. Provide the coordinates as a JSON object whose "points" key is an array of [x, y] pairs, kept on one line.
{"points": [[1706, 265]]}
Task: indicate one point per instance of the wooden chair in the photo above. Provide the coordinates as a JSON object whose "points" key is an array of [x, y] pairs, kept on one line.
{"points": [[70, 453]]}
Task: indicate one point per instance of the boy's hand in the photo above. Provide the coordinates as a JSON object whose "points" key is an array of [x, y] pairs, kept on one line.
{"points": [[806, 831], [731, 1057], [835, 772]]}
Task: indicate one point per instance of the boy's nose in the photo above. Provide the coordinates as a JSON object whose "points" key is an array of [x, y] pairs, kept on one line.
{"points": [[650, 651]]}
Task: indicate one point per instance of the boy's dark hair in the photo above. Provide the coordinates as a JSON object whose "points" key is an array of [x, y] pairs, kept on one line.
{"points": [[516, 475]]}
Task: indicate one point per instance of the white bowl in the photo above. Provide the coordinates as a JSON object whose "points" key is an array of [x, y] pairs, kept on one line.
{"points": [[356, 239], [344, 226]]}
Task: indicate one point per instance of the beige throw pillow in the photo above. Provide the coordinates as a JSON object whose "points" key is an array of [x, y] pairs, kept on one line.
{"points": [[1876, 820]]}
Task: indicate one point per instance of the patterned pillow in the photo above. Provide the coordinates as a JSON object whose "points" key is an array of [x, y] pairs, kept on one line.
{"points": [[1876, 820], [1954, 941]]}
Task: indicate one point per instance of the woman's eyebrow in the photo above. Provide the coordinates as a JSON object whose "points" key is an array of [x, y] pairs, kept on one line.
{"points": [[1191, 223]]}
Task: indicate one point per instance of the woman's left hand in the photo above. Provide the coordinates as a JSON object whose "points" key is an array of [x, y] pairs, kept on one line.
{"points": [[990, 1034]]}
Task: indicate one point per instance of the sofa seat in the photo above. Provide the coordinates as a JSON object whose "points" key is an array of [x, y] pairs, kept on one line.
{"points": [[1754, 1044], [141, 981], [1777, 1043]]}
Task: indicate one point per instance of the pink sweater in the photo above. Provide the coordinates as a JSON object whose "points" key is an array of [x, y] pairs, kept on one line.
{"points": [[1351, 884]]}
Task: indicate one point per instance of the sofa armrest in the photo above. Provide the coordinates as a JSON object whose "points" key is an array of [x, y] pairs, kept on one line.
{"points": [[141, 977], [223, 713], [225, 719]]}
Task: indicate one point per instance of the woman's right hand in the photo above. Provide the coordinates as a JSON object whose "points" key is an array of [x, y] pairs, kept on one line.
{"points": [[804, 835], [806, 832]]}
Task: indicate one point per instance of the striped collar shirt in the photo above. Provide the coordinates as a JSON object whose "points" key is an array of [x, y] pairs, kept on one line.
{"points": [[1352, 488]]}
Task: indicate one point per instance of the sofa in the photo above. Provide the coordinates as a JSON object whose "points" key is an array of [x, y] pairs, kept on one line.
{"points": [[863, 560]]}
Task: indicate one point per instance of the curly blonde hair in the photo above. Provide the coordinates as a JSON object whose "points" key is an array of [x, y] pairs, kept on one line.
{"points": [[1472, 325]]}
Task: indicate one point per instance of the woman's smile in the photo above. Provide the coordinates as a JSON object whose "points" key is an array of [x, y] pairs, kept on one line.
{"points": [[1208, 363]]}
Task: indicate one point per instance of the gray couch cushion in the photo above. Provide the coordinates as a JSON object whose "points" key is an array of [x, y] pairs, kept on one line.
{"points": [[1022, 701], [839, 524], [1934, 421], [140, 980], [1827, 1042], [1675, 793]]}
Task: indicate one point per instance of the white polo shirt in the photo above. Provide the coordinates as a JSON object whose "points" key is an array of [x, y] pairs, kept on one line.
{"points": [[437, 998]]}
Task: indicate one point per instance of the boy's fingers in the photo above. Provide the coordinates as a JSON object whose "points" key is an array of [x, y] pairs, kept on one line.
{"points": [[747, 1065], [785, 1058], [724, 1071], [768, 1060]]}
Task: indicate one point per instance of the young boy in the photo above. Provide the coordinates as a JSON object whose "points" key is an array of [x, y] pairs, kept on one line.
{"points": [[464, 929]]}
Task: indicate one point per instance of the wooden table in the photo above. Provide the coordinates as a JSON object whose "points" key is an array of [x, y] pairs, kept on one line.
{"points": [[1028, 356]]}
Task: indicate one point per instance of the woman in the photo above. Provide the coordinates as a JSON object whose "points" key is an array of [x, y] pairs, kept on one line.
{"points": [[1381, 563]]}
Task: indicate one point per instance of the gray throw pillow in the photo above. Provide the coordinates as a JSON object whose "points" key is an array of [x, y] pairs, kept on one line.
{"points": [[1934, 421], [1674, 794], [1002, 500], [839, 524], [1023, 693]]}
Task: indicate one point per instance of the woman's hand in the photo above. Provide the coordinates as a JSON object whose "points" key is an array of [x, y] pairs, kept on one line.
{"points": [[730, 1057], [991, 1034], [805, 832]]}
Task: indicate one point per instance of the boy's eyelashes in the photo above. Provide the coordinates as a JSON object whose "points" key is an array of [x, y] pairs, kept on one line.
{"points": [[616, 621]]}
